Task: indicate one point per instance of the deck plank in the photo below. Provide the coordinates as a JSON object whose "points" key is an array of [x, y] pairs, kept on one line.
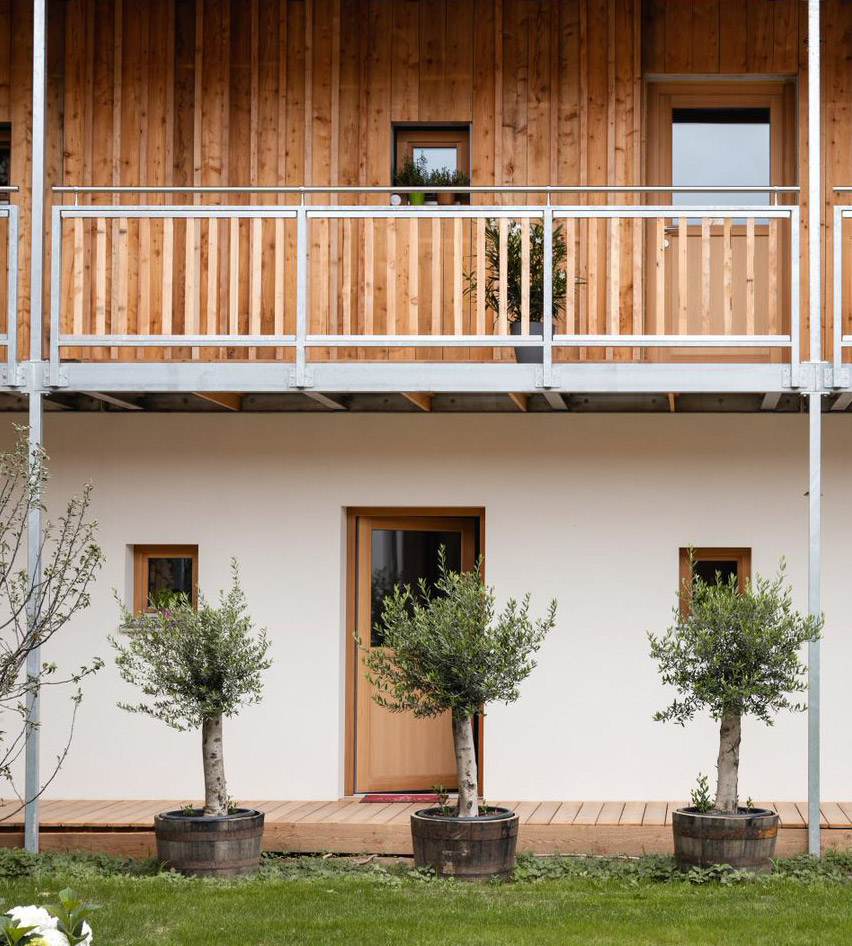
{"points": [[566, 813], [526, 810], [634, 812], [789, 814], [803, 811], [672, 807], [655, 813], [834, 815], [611, 812], [545, 811], [588, 813]]}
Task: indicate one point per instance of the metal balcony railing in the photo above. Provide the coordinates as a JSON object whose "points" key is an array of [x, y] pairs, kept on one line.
{"points": [[305, 282], [840, 307], [8, 286]]}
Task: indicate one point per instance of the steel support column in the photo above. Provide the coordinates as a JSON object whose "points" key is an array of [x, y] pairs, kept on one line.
{"points": [[815, 413], [36, 439], [814, 570], [32, 780]]}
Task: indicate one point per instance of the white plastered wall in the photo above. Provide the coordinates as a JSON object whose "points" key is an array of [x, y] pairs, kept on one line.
{"points": [[591, 509]]}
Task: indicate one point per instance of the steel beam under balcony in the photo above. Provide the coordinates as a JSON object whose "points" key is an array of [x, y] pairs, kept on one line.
{"points": [[393, 377]]}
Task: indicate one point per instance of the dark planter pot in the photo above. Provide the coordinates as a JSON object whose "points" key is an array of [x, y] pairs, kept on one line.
{"points": [[474, 849], [745, 840], [224, 846], [528, 356]]}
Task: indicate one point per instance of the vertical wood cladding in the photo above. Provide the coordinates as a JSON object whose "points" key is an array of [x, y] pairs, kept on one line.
{"points": [[246, 92]]}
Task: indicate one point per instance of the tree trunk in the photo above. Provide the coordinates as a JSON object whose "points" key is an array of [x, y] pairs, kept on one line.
{"points": [[215, 790], [465, 766], [728, 764]]}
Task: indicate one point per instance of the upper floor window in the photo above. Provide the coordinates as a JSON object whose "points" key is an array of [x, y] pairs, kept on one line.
{"points": [[440, 153], [437, 148], [721, 146]]}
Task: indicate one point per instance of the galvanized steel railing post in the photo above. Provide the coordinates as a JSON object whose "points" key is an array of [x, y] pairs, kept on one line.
{"points": [[300, 378], [55, 292], [795, 295], [12, 298], [547, 301], [838, 377]]}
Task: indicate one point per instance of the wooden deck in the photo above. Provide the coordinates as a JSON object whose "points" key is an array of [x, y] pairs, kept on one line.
{"points": [[349, 826]]}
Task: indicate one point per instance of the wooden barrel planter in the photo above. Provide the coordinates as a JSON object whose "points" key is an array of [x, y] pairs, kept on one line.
{"points": [[223, 846], [474, 849], [745, 840]]}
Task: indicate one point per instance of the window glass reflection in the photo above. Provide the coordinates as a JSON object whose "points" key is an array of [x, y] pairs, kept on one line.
{"points": [[403, 557], [718, 147], [437, 158], [169, 576]]}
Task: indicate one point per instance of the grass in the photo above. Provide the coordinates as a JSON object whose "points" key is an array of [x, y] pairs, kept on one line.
{"points": [[311, 901]]}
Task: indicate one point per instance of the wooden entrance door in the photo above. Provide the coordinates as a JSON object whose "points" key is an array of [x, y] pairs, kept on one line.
{"points": [[394, 752], [721, 276]]}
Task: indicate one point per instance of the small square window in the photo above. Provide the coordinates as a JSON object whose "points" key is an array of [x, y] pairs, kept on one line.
{"points": [[163, 569], [714, 564], [437, 147]]}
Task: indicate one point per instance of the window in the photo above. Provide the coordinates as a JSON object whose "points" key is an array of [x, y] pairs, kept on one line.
{"points": [[721, 133], [708, 563], [721, 146], [5, 160], [442, 147], [163, 568]]}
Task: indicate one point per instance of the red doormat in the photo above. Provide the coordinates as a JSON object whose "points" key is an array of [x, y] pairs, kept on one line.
{"points": [[408, 799]]}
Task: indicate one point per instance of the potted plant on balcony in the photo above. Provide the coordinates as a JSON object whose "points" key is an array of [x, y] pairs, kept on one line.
{"points": [[514, 279], [733, 653], [197, 666], [447, 651], [444, 177], [411, 173]]}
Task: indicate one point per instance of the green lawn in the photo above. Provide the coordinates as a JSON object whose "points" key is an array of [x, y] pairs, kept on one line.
{"points": [[312, 902]]}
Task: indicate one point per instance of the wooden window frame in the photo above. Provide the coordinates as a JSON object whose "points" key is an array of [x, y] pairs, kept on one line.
{"points": [[350, 624], [777, 96], [408, 137], [742, 556], [142, 554]]}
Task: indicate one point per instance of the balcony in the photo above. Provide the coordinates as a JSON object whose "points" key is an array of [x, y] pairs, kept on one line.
{"points": [[492, 295]]}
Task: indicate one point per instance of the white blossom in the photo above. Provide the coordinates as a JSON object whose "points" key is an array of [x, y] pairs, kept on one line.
{"points": [[46, 936], [33, 916]]}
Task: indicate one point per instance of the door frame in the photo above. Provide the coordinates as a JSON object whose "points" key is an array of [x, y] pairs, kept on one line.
{"points": [[352, 662], [779, 95]]}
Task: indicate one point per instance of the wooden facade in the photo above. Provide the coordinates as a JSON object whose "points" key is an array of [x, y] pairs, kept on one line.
{"points": [[199, 92]]}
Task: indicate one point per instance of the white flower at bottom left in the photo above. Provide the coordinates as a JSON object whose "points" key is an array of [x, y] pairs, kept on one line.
{"points": [[47, 937], [45, 932]]}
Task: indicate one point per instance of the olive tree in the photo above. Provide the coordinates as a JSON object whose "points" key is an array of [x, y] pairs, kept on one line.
{"points": [[733, 653], [32, 612], [445, 649], [196, 666]]}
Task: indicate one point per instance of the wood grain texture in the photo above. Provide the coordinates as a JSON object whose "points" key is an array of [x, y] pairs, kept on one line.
{"points": [[349, 826], [209, 92]]}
